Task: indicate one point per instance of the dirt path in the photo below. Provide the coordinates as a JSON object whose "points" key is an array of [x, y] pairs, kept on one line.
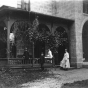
{"points": [[60, 77]]}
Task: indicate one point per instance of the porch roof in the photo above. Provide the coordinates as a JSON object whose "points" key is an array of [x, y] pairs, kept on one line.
{"points": [[9, 8], [53, 19], [5, 10]]}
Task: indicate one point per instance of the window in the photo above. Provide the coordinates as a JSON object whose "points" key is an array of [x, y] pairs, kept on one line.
{"points": [[85, 6], [23, 4], [19, 4]]}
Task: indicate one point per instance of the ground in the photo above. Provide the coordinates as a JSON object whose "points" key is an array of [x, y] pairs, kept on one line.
{"points": [[78, 84], [50, 78]]}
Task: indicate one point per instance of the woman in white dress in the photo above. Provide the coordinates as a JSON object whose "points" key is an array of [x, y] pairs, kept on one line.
{"points": [[49, 55], [65, 61]]}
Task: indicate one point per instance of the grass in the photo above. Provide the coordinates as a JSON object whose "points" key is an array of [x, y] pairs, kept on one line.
{"points": [[13, 77], [78, 84]]}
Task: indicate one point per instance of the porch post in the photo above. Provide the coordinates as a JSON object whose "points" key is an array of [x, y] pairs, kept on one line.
{"points": [[33, 54], [8, 41]]}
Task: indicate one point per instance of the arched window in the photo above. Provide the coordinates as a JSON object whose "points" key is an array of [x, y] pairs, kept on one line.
{"points": [[85, 40], [62, 36]]}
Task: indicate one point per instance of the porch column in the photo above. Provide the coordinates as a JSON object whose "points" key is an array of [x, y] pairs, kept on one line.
{"points": [[73, 56], [8, 41], [33, 55]]}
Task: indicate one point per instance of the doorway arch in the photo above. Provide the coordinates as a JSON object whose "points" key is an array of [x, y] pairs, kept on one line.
{"points": [[85, 40], [40, 46], [20, 29], [63, 35]]}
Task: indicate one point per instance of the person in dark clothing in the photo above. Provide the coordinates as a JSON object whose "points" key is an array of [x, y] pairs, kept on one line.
{"points": [[26, 55], [13, 50], [42, 61]]}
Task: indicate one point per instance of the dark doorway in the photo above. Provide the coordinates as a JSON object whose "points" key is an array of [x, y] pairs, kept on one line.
{"points": [[61, 50], [85, 41], [62, 34]]}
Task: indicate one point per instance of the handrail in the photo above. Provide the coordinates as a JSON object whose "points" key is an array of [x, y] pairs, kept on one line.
{"points": [[23, 62]]}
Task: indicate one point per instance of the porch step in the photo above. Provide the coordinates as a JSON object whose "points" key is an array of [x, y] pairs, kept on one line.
{"points": [[85, 65]]}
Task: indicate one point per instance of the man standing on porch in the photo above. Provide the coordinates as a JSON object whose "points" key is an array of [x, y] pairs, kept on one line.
{"points": [[13, 50], [26, 55]]}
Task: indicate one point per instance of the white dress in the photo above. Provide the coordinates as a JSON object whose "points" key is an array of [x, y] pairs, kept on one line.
{"points": [[49, 55], [65, 61]]}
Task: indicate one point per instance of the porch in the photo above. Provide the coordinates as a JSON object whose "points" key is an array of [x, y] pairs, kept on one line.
{"points": [[12, 52]]}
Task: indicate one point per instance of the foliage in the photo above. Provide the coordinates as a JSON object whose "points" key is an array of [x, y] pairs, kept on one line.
{"points": [[20, 29], [33, 32], [53, 41], [45, 36], [30, 33]]}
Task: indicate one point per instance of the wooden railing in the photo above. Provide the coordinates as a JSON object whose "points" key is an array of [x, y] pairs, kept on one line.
{"points": [[20, 62]]}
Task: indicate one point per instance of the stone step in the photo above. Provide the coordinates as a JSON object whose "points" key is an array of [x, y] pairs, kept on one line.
{"points": [[85, 65]]}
